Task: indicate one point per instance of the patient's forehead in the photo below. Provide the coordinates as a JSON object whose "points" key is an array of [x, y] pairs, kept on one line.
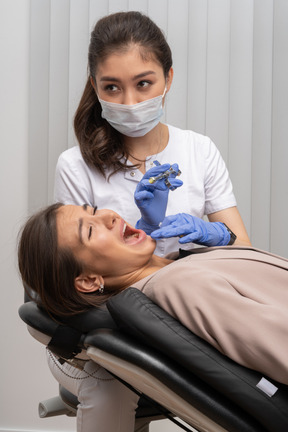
{"points": [[67, 223]]}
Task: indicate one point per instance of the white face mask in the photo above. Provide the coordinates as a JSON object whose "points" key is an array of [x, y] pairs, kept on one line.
{"points": [[133, 120]]}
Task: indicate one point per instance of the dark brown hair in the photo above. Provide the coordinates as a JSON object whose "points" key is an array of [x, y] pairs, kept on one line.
{"points": [[100, 144], [50, 271]]}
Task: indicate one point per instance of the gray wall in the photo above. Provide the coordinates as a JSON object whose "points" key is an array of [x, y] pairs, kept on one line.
{"points": [[231, 69]]}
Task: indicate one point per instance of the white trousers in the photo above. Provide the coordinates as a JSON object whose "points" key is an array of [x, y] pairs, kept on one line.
{"points": [[104, 403]]}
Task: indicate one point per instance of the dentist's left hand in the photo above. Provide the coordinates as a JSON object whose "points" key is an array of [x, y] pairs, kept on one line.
{"points": [[151, 199], [193, 229]]}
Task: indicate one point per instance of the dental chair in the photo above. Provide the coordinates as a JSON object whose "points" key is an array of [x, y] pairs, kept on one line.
{"points": [[167, 365]]}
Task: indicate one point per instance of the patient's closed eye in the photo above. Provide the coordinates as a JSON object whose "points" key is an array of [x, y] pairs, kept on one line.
{"points": [[90, 228]]}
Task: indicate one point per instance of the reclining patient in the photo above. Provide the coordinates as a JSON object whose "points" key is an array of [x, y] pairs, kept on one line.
{"points": [[76, 257]]}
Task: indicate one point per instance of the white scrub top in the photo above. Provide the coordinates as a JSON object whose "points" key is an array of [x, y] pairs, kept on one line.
{"points": [[206, 188]]}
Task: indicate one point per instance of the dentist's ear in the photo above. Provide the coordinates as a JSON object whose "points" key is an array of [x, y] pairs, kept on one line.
{"points": [[93, 83], [88, 284], [169, 79]]}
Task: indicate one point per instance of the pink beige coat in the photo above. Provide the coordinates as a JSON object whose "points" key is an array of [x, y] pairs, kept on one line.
{"points": [[235, 298]]}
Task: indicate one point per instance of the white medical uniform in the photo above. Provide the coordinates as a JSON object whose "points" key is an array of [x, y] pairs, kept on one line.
{"points": [[206, 184], [105, 404]]}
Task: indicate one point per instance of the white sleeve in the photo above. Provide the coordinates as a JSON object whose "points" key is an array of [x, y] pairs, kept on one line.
{"points": [[72, 184], [218, 186]]}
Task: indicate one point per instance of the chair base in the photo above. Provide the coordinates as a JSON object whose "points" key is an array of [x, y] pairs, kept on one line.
{"points": [[55, 407]]}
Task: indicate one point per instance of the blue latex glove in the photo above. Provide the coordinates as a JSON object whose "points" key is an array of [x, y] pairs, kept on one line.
{"points": [[193, 229], [151, 199]]}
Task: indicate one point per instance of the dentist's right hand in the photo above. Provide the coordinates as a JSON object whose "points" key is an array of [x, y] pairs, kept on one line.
{"points": [[151, 199]]}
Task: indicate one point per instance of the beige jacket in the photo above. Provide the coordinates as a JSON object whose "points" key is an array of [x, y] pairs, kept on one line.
{"points": [[235, 298]]}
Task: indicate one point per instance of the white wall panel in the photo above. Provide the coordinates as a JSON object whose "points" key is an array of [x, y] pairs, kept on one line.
{"points": [[140, 5], [177, 34], [58, 84], [262, 123], [240, 104], [39, 102], [217, 77], [158, 11], [197, 65], [279, 157], [117, 5], [24, 376], [97, 10], [79, 33]]}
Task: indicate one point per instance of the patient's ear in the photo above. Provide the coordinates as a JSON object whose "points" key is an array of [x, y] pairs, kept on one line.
{"points": [[88, 284]]}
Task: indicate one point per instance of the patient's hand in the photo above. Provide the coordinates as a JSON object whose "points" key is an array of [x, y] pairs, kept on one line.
{"points": [[151, 198]]}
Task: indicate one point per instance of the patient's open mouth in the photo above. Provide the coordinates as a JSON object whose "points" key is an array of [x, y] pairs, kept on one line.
{"points": [[131, 235]]}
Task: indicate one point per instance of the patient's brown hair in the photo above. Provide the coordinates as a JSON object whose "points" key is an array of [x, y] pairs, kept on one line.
{"points": [[50, 271]]}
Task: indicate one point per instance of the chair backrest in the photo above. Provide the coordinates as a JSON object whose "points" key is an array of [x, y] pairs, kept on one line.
{"points": [[136, 314]]}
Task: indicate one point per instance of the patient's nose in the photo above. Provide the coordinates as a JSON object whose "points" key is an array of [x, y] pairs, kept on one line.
{"points": [[108, 218]]}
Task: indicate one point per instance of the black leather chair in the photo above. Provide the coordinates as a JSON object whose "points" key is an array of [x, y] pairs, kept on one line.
{"points": [[155, 355], [66, 340]]}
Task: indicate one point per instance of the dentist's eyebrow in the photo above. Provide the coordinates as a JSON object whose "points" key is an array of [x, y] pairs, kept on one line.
{"points": [[109, 78], [141, 75], [144, 74]]}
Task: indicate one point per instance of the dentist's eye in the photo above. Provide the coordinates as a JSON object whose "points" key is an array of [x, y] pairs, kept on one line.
{"points": [[111, 88], [144, 84]]}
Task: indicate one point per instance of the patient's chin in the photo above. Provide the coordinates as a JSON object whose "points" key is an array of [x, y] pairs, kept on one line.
{"points": [[152, 241]]}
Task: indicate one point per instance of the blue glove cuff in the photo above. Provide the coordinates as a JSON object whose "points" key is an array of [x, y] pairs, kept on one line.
{"points": [[226, 235], [147, 228]]}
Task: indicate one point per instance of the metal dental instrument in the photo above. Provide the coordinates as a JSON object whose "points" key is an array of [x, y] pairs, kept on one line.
{"points": [[165, 175]]}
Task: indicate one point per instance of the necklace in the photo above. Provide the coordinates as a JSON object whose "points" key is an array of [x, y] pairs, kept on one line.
{"points": [[159, 148], [149, 159]]}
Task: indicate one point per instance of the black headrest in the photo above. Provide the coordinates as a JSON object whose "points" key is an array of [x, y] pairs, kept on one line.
{"points": [[36, 317], [67, 335], [92, 319], [83, 322]]}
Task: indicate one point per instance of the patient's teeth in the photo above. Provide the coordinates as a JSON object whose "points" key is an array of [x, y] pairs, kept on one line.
{"points": [[124, 228]]}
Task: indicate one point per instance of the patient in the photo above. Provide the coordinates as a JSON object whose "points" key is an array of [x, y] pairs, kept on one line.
{"points": [[233, 297]]}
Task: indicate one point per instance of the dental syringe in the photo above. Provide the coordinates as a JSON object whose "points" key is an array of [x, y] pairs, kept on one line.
{"points": [[165, 175]]}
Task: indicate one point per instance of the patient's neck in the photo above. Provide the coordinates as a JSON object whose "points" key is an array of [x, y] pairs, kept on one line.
{"points": [[154, 264]]}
